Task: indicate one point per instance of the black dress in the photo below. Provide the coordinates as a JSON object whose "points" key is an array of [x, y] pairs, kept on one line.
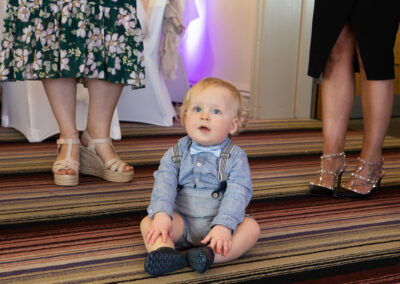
{"points": [[375, 24]]}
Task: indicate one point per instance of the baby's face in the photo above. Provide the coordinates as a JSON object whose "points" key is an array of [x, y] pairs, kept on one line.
{"points": [[211, 116]]}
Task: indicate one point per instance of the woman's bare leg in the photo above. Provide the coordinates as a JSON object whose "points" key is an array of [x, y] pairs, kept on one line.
{"points": [[61, 93], [103, 98], [337, 92], [377, 103]]}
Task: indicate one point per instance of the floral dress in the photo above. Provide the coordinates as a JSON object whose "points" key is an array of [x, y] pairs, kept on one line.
{"points": [[85, 39]]}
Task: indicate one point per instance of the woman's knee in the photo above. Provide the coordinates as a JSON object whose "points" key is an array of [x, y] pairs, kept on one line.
{"points": [[343, 50]]}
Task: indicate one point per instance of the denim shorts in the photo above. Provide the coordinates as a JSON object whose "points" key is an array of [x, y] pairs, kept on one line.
{"points": [[198, 209]]}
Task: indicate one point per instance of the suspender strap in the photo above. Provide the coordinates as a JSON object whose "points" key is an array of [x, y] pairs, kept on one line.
{"points": [[225, 155], [176, 157]]}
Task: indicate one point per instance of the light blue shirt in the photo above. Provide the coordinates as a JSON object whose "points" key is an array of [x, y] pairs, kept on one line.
{"points": [[198, 175]]}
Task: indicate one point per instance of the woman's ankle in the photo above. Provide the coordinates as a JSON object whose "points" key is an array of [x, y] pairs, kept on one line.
{"points": [[73, 134]]}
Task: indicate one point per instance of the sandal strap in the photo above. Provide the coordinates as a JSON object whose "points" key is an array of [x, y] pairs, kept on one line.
{"points": [[371, 164], [69, 142], [66, 165], [114, 164], [62, 141], [365, 179], [109, 163], [371, 182], [93, 141], [333, 156], [323, 171], [361, 167], [335, 174]]}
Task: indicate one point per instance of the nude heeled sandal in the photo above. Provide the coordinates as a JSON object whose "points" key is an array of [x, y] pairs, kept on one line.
{"points": [[66, 164], [91, 163], [318, 188], [374, 182]]}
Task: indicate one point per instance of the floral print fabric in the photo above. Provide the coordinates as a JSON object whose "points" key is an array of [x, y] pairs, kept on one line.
{"points": [[84, 39]]}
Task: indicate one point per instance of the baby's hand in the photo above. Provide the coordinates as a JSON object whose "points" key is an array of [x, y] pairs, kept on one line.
{"points": [[161, 225], [220, 238]]}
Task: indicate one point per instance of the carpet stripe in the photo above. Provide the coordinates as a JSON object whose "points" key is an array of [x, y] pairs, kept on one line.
{"points": [[38, 157], [297, 235], [42, 200]]}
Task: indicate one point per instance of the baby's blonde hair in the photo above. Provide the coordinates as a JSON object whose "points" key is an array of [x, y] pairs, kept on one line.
{"points": [[241, 113]]}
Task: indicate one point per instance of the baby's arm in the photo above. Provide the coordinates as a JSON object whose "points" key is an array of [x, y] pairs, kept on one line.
{"points": [[165, 187], [235, 200], [160, 210]]}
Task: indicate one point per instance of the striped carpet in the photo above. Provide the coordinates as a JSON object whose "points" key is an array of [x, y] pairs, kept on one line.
{"points": [[309, 235], [380, 275], [27, 198], [38, 157], [90, 233]]}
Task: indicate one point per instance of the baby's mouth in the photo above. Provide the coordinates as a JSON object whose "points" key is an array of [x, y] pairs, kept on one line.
{"points": [[203, 128]]}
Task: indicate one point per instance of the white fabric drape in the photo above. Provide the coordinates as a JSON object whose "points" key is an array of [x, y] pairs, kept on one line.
{"points": [[172, 32]]}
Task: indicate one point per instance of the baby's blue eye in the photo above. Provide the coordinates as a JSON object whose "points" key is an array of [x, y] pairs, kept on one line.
{"points": [[197, 109], [216, 111]]}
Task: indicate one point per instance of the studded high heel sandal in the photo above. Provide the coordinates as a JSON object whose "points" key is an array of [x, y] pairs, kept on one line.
{"points": [[351, 191], [317, 188], [91, 163], [66, 164]]}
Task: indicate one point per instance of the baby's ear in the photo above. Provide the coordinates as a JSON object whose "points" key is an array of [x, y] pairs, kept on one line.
{"points": [[184, 118], [234, 126]]}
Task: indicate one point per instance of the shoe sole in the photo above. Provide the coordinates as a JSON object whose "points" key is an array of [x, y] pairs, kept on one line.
{"points": [[197, 260], [160, 263], [66, 180], [318, 190]]}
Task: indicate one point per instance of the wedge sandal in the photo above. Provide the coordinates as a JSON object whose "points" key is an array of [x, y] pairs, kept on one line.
{"points": [[91, 163], [66, 164]]}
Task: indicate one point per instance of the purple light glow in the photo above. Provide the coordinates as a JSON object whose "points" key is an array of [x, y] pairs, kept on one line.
{"points": [[196, 47]]}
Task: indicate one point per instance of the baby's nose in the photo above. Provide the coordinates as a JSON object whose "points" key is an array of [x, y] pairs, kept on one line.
{"points": [[205, 115]]}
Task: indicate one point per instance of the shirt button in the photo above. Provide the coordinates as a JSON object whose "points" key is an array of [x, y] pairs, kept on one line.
{"points": [[199, 164], [196, 179], [151, 210], [215, 195]]}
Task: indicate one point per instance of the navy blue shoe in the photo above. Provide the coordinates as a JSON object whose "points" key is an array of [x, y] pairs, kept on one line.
{"points": [[200, 258], [163, 260]]}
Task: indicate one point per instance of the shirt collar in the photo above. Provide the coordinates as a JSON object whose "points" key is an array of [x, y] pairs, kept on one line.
{"points": [[196, 148]]}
